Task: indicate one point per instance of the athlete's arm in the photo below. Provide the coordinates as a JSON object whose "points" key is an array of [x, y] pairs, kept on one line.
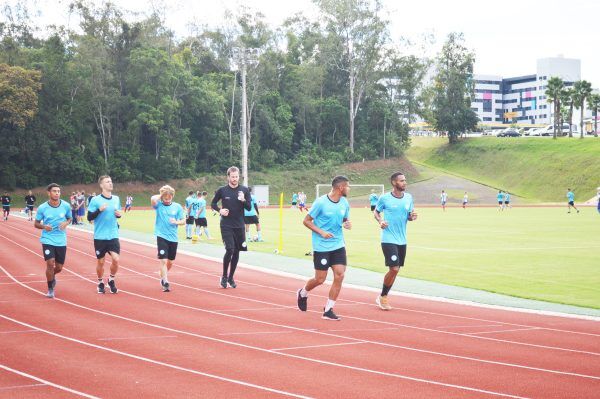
{"points": [[214, 203], [247, 200], [256, 208], [382, 223], [38, 225], [309, 222]]}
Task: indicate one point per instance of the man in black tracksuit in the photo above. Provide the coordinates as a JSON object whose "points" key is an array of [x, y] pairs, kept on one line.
{"points": [[234, 198]]}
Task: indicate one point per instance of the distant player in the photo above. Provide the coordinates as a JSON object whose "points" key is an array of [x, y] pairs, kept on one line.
{"points": [[294, 200], [571, 199], [398, 208], [104, 210], [444, 199], [465, 200], [326, 218], [251, 217], [128, 203], [373, 198], [169, 215], [29, 204], [507, 204], [234, 199], [80, 207], [6, 205], [53, 217], [190, 201], [500, 198], [201, 221], [302, 201]]}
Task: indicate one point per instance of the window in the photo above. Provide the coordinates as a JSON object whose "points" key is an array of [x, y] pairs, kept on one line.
{"points": [[487, 119]]}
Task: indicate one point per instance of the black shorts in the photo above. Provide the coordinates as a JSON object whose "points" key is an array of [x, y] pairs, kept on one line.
{"points": [[324, 260], [506, 202], [234, 238], [103, 246], [6, 208], [166, 249], [394, 254], [251, 219], [572, 203], [30, 208], [201, 222], [293, 204], [57, 253], [499, 202], [372, 208], [189, 220]]}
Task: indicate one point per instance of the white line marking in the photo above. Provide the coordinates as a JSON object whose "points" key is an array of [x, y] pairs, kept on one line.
{"points": [[468, 326], [17, 331], [46, 382], [502, 331], [145, 359], [319, 346], [258, 332], [21, 386], [122, 338]]}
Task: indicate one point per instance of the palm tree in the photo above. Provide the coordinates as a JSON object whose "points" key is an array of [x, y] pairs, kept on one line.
{"points": [[594, 105], [582, 90], [553, 94], [567, 100]]}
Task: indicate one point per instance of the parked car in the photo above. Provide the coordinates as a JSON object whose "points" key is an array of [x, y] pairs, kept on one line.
{"points": [[549, 130], [509, 132]]}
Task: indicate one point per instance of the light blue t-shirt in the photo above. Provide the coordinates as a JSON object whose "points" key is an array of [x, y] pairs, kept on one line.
{"points": [[395, 211], [105, 224], [252, 211], [201, 208], [54, 216], [162, 225], [571, 196], [188, 204], [294, 197], [329, 216], [500, 197], [373, 199], [507, 197]]}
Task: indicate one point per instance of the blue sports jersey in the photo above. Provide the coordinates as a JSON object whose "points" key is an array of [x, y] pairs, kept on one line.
{"points": [[507, 197], [194, 207], [252, 211], [571, 196], [329, 216], [188, 204], [105, 224], [162, 226], [54, 216], [500, 197], [373, 199], [201, 207], [294, 197], [395, 211]]}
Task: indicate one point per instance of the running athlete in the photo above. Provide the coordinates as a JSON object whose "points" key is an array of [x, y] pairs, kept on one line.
{"points": [[169, 215], [29, 204], [571, 198], [294, 199], [234, 199], [507, 200], [500, 198], [326, 218], [444, 199], [189, 221], [302, 202], [398, 208], [53, 217], [201, 221], [128, 203], [373, 198], [465, 200], [251, 217], [104, 210], [6, 205]]}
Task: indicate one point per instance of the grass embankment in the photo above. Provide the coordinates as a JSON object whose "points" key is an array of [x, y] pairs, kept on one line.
{"points": [[538, 169]]}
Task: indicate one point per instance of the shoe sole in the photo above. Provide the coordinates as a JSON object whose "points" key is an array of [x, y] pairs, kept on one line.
{"points": [[330, 319]]}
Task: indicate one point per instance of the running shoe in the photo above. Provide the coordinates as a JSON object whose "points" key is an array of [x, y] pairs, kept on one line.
{"points": [[224, 282], [329, 315], [50, 293], [302, 301], [231, 283], [113, 286], [166, 287], [101, 288], [383, 303]]}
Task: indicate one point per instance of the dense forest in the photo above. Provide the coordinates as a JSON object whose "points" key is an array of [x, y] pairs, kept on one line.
{"points": [[125, 96]]}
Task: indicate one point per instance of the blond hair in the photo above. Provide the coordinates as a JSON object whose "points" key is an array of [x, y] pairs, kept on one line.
{"points": [[101, 178], [166, 189]]}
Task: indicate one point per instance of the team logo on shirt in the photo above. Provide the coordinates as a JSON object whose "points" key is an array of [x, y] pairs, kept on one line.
{"points": [[342, 211], [394, 258], [62, 215]]}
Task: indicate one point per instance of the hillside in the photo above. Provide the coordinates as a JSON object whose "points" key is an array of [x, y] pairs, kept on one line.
{"points": [[537, 169]]}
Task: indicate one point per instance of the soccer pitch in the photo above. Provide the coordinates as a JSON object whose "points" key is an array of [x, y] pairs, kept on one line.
{"points": [[537, 253]]}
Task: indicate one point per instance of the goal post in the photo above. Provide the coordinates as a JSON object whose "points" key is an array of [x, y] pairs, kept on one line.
{"points": [[357, 191]]}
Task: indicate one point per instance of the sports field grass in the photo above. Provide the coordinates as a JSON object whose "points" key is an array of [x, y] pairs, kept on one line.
{"points": [[537, 253]]}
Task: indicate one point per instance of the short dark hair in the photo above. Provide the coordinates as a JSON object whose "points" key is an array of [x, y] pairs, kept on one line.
{"points": [[232, 169], [101, 178], [51, 186], [395, 175], [204, 193], [339, 180], [191, 193]]}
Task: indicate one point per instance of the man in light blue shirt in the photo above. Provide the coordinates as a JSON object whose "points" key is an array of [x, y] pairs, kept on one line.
{"points": [[169, 215], [326, 218], [500, 198], [104, 210], [507, 200], [190, 203], [201, 221], [571, 199], [373, 198], [251, 217], [398, 208], [52, 218]]}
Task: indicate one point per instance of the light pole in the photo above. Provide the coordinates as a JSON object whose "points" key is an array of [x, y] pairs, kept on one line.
{"points": [[243, 57]]}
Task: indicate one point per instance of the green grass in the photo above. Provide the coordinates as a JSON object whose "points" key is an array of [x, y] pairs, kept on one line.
{"points": [[538, 169], [537, 253]]}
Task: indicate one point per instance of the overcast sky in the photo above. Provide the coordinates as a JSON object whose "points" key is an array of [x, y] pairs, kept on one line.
{"points": [[507, 37]]}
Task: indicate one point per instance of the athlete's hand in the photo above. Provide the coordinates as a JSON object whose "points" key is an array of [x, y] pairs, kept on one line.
{"points": [[224, 212], [48, 227], [326, 235], [383, 224], [103, 207], [412, 216], [63, 225], [117, 213], [172, 220], [347, 225]]}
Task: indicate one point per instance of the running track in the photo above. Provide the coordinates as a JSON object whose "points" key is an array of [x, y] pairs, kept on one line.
{"points": [[200, 341]]}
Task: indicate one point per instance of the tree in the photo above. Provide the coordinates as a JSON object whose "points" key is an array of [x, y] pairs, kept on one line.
{"points": [[357, 37], [581, 92], [18, 95], [453, 89], [567, 99], [594, 105], [553, 94]]}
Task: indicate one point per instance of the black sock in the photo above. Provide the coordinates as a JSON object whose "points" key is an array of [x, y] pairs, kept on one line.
{"points": [[385, 290], [234, 261], [226, 260], [49, 284]]}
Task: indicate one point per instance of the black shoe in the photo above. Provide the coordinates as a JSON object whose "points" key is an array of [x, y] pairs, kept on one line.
{"points": [[113, 286], [224, 282], [329, 315], [231, 283], [302, 301], [101, 288], [166, 287]]}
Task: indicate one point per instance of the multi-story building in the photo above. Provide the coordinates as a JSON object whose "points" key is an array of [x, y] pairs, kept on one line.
{"points": [[522, 99]]}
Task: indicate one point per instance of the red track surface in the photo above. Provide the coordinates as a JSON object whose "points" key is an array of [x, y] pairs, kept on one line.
{"points": [[252, 342]]}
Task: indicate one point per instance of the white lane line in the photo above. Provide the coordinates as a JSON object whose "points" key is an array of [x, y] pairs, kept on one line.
{"points": [[473, 326], [258, 332], [134, 338], [502, 331], [363, 329], [255, 309], [21, 387], [46, 382], [17, 331], [319, 346], [308, 359], [145, 359]]}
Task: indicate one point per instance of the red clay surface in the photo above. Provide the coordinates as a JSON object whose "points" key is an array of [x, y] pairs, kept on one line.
{"points": [[201, 341]]}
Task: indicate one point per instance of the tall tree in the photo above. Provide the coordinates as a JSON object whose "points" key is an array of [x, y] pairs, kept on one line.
{"points": [[582, 90], [18, 95], [594, 105], [553, 94]]}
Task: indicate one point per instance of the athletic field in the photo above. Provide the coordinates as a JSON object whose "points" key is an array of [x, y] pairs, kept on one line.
{"points": [[539, 253]]}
